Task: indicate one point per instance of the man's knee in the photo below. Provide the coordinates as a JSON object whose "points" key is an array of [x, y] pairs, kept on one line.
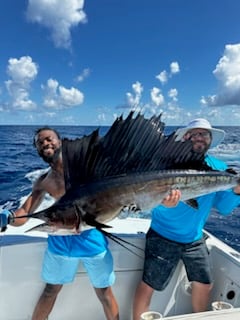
{"points": [[207, 287], [51, 290], [105, 295]]}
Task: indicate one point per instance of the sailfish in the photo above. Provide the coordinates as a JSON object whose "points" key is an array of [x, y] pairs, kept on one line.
{"points": [[133, 163]]}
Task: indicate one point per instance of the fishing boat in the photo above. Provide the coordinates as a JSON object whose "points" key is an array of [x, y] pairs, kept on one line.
{"points": [[21, 255]]}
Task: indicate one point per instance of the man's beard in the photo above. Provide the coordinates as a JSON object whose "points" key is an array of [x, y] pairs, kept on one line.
{"points": [[51, 158], [200, 148]]}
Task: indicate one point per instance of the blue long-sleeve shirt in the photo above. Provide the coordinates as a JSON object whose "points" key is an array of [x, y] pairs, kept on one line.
{"points": [[185, 224]]}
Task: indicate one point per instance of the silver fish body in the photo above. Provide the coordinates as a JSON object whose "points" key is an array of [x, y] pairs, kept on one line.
{"points": [[99, 202]]}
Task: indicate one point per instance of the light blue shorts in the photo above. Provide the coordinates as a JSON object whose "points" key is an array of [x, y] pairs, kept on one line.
{"points": [[59, 269]]}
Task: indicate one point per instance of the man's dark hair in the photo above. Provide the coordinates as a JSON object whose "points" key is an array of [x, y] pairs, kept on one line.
{"points": [[43, 129]]}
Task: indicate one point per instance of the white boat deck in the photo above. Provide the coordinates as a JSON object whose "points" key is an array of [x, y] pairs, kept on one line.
{"points": [[20, 282], [233, 314]]}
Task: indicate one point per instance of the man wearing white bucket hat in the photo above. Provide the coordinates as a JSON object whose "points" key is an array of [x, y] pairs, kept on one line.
{"points": [[176, 230], [204, 126]]}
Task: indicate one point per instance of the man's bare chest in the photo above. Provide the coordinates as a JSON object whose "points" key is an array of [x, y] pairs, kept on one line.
{"points": [[54, 184]]}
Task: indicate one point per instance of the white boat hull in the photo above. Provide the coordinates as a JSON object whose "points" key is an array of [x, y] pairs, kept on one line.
{"points": [[20, 283]]}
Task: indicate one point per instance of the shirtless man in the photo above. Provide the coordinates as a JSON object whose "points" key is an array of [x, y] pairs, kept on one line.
{"points": [[95, 253]]}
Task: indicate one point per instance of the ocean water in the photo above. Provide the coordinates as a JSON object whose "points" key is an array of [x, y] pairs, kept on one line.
{"points": [[20, 166]]}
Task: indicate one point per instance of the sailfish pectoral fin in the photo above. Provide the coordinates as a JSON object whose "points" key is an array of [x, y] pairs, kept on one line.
{"points": [[91, 221], [192, 203], [88, 218]]}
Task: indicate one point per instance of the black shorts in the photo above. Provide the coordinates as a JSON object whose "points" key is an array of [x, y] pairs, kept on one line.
{"points": [[162, 257]]}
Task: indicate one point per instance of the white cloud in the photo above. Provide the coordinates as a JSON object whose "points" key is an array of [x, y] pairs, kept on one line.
{"points": [[134, 99], [162, 77], [59, 97], [137, 88], [50, 114], [157, 97], [173, 93], [227, 72], [101, 117], [174, 67], [68, 120], [59, 16], [21, 72], [70, 97], [85, 73]]}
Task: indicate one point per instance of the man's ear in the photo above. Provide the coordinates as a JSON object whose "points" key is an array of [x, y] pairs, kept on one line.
{"points": [[186, 136]]}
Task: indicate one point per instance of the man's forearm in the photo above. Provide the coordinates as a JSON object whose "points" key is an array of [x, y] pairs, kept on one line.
{"points": [[19, 221]]}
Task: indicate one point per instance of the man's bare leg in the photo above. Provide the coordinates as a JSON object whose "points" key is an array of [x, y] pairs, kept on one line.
{"points": [[109, 303], [46, 302], [142, 299], [200, 296]]}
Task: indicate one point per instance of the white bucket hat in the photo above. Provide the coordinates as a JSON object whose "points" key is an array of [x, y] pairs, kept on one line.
{"points": [[217, 134]]}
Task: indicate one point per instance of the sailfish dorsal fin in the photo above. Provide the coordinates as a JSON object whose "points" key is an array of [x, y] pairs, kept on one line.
{"points": [[132, 145]]}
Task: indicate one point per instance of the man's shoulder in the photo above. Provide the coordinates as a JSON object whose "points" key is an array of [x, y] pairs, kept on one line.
{"points": [[40, 182], [43, 176]]}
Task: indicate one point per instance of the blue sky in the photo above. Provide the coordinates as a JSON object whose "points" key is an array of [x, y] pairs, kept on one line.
{"points": [[75, 62]]}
